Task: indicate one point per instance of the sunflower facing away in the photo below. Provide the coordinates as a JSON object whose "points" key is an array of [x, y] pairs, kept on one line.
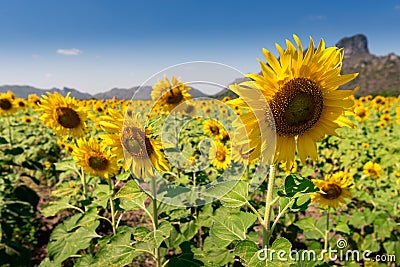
{"points": [[63, 115], [334, 190], [301, 92], [169, 95], [130, 141], [93, 158]]}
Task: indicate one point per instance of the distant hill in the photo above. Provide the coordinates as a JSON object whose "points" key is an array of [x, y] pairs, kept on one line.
{"points": [[378, 75], [143, 94], [24, 91]]}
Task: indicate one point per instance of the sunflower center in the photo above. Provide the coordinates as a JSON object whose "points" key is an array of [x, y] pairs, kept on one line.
{"points": [[332, 191], [68, 117], [136, 143], [220, 156], [361, 114], [5, 104], [372, 172], [189, 109], [98, 162], [214, 129], [296, 107], [174, 96]]}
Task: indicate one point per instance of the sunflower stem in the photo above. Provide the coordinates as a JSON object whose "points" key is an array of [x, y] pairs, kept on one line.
{"points": [[84, 185], [327, 231], [10, 131], [268, 206], [155, 220], [281, 213], [114, 228]]}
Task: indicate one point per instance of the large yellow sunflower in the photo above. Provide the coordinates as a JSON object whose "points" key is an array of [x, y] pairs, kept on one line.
{"points": [[301, 92], [334, 190], [168, 94], [130, 141], [63, 115], [93, 158], [7, 104]]}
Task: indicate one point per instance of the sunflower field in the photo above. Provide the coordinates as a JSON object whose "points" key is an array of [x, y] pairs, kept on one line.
{"points": [[293, 172]]}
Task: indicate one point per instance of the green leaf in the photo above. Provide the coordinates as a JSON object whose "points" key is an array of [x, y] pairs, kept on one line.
{"points": [[118, 252], [247, 251], [393, 248], [65, 165], [54, 207], [132, 198], [186, 258], [342, 227], [163, 232], [64, 243], [295, 185], [280, 245], [3, 141], [130, 190], [101, 195], [188, 230], [237, 197], [14, 151], [213, 255], [123, 176], [301, 203], [310, 228], [228, 227], [370, 243]]}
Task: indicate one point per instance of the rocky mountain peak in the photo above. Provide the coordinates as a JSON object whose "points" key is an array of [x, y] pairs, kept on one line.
{"points": [[356, 45]]}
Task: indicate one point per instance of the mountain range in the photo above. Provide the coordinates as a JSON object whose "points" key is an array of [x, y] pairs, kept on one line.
{"points": [[378, 75]]}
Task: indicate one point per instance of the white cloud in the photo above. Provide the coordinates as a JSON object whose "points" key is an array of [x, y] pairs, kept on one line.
{"points": [[69, 52], [48, 75]]}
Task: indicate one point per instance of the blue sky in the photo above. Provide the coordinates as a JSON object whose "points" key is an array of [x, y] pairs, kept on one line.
{"points": [[95, 45]]}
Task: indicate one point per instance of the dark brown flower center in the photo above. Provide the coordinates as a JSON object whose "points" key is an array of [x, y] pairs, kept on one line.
{"points": [[332, 191], [98, 162], [189, 109], [174, 96], [220, 156], [67, 117], [5, 104], [296, 107], [361, 114], [136, 143], [214, 129]]}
